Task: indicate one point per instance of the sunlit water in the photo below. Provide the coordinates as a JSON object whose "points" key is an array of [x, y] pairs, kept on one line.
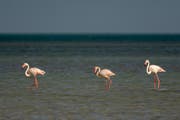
{"points": [[70, 91]]}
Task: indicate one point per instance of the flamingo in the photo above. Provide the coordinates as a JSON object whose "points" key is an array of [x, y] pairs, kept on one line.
{"points": [[33, 72], [153, 69], [104, 73]]}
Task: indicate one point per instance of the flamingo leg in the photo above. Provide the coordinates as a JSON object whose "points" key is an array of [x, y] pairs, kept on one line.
{"points": [[155, 81], [107, 84], [110, 82], [36, 82], [159, 82]]}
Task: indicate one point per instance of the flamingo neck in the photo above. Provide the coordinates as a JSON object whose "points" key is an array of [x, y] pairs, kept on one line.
{"points": [[147, 69], [98, 71], [26, 72]]}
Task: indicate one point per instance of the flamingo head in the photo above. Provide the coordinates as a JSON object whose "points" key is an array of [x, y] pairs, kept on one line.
{"points": [[24, 65], [146, 62], [95, 69]]}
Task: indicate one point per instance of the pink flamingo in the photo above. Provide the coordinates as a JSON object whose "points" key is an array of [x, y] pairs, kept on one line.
{"points": [[153, 69], [33, 71], [104, 73]]}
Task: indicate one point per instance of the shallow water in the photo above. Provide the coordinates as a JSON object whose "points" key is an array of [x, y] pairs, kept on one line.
{"points": [[70, 91]]}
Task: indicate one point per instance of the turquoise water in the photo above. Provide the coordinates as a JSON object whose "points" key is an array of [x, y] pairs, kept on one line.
{"points": [[70, 90]]}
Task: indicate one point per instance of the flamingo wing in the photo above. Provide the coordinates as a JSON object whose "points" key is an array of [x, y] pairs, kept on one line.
{"points": [[107, 72], [156, 68], [36, 71]]}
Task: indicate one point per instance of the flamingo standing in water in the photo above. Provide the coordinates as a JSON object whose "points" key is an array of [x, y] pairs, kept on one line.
{"points": [[153, 69], [104, 73], [33, 72]]}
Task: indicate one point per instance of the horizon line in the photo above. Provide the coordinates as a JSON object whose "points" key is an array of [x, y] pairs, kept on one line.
{"points": [[89, 37]]}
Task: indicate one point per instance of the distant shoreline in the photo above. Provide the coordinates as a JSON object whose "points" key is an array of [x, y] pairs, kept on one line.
{"points": [[89, 37]]}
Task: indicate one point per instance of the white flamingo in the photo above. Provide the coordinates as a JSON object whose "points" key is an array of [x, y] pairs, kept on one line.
{"points": [[104, 73], [33, 72], [153, 69]]}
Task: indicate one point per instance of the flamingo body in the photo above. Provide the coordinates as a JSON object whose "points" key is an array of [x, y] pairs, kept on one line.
{"points": [[155, 69], [104, 73], [33, 72], [36, 71]]}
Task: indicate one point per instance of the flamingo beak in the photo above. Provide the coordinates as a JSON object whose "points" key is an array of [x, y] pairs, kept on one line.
{"points": [[23, 66], [94, 70], [145, 64]]}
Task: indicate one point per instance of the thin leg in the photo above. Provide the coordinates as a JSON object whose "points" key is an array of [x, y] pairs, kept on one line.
{"points": [[155, 81], [36, 82], [110, 82], [106, 85], [159, 82]]}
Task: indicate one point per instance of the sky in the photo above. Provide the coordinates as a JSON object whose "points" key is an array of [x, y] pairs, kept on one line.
{"points": [[90, 16]]}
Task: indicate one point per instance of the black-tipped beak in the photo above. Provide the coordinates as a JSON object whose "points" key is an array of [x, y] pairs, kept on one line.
{"points": [[22, 66], [145, 64]]}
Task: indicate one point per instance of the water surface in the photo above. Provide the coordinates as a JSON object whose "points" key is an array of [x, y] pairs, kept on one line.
{"points": [[70, 91]]}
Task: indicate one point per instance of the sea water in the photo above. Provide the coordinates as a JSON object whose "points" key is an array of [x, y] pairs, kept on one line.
{"points": [[70, 91]]}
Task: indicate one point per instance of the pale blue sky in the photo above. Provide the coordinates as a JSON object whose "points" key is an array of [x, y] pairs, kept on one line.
{"points": [[89, 16]]}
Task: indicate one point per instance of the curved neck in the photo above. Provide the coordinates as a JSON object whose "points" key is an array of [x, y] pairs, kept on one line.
{"points": [[147, 69], [26, 72], [98, 71]]}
